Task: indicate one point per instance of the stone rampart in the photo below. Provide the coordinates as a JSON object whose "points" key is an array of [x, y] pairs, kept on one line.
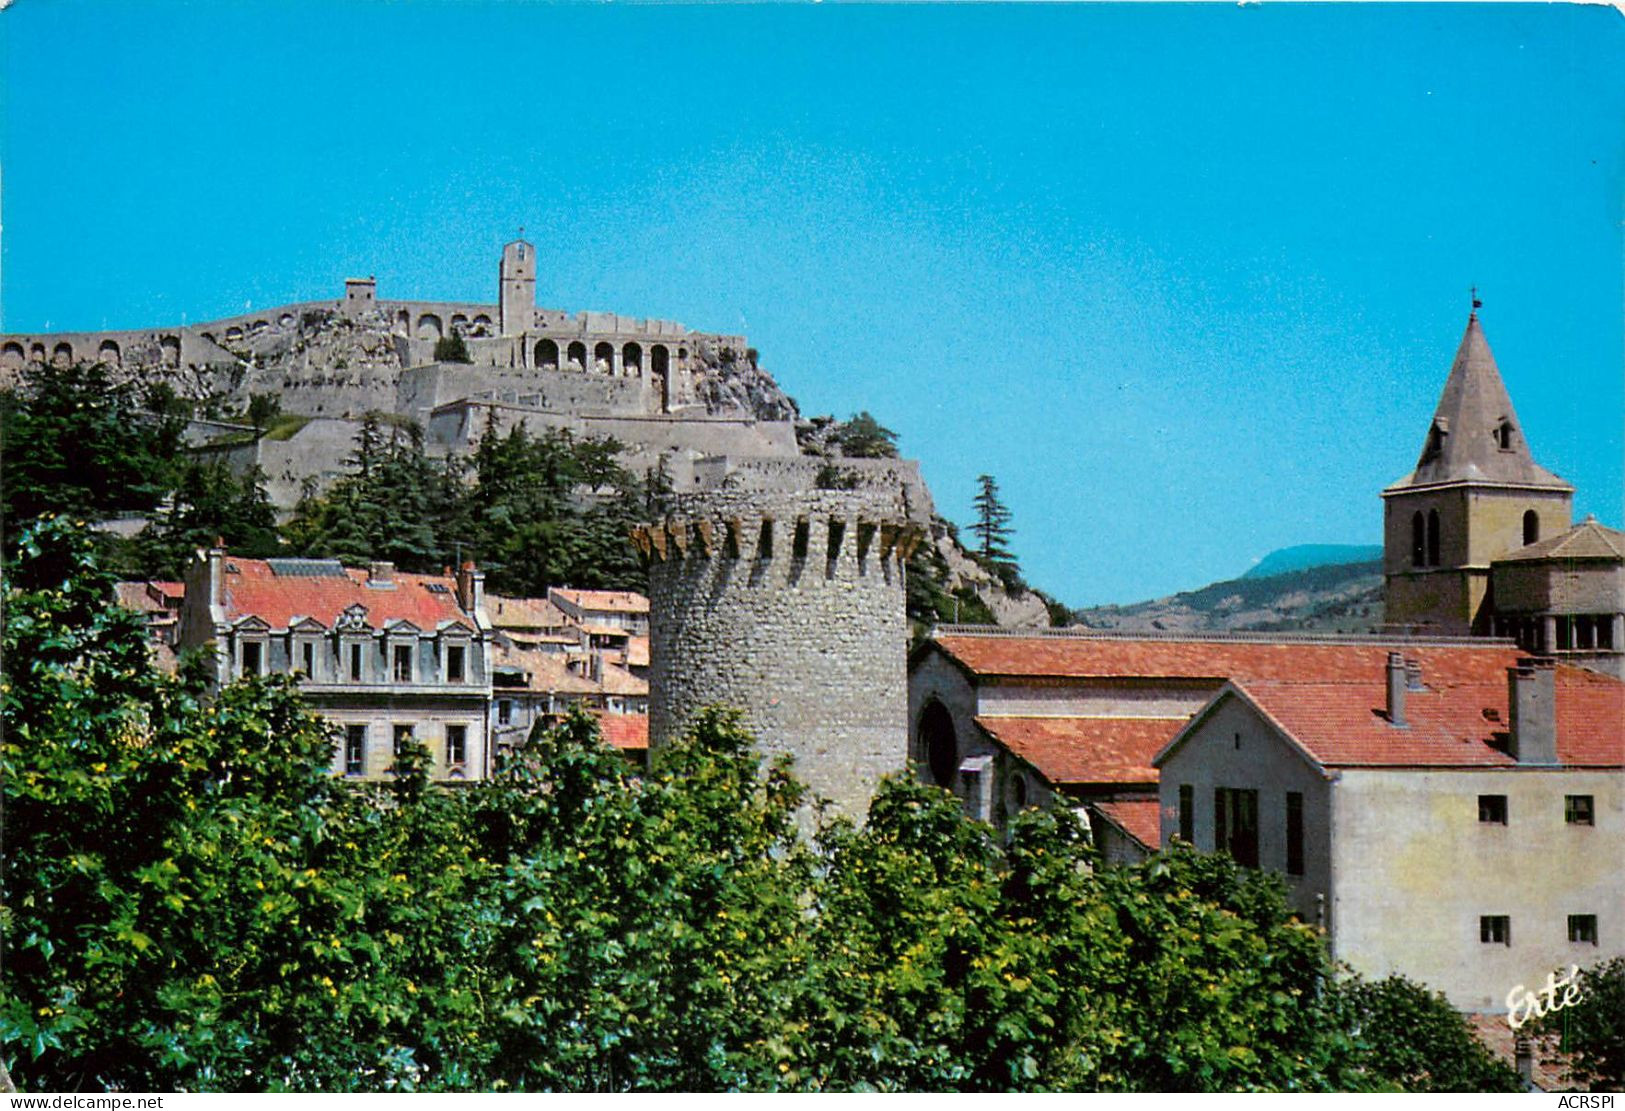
{"points": [[789, 607]]}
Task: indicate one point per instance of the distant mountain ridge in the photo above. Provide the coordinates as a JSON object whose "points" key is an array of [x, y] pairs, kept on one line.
{"points": [[1302, 557], [1328, 595]]}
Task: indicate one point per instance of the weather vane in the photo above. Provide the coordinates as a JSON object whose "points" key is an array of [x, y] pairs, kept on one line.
{"points": [[1477, 304]]}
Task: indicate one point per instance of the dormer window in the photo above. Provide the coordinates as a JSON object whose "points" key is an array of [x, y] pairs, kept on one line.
{"points": [[456, 663], [1504, 435], [1435, 444], [401, 659], [253, 658]]}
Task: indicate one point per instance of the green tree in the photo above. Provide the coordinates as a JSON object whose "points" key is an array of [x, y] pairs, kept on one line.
{"points": [[262, 409], [77, 442], [1593, 1029], [210, 502], [863, 437], [992, 528], [1412, 1040], [452, 348]]}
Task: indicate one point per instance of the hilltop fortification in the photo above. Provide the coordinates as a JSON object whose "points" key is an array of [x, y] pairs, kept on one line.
{"points": [[662, 389]]}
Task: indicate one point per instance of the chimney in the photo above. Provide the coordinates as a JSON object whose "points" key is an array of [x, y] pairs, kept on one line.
{"points": [[1413, 675], [470, 588], [1524, 1059], [1532, 706], [1398, 682], [380, 573], [217, 573]]}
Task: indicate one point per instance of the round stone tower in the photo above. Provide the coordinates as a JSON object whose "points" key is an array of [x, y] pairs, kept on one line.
{"points": [[789, 606]]}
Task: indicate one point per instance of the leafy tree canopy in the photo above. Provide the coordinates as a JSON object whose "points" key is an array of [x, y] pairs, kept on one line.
{"points": [[192, 902], [1593, 1029], [78, 443], [863, 437]]}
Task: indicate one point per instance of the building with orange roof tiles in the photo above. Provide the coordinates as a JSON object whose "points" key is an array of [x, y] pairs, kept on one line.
{"points": [[386, 656], [1462, 825], [1009, 719]]}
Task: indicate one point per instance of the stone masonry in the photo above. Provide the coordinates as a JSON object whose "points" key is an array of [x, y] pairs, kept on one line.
{"points": [[788, 605]]}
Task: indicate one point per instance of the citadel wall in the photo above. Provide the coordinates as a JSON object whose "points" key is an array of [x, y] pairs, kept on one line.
{"points": [[789, 606]]}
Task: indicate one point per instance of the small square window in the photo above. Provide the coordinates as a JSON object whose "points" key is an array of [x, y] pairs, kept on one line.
{"points": [[1578, 810], [1495, 929], [1492, 809], [1583, 929]]}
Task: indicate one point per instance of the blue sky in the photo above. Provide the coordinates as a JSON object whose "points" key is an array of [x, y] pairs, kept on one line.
{"points": [[1186, 279]]}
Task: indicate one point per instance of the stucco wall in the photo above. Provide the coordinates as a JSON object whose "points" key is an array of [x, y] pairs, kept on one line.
{"points": [[1233, 747], [1416, 869]]}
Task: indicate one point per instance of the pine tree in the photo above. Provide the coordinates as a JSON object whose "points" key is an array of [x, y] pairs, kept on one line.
{"points": [[992, 527]]}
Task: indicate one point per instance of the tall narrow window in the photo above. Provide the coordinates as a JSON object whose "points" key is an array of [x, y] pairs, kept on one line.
{"points": [[355, 663], [1235, 824], [1531, 526], [1187, 813], [355, 749], [403, 734], [1294, 833], [1433, 538], [505, 712], [251, 658], [455, 663], [307, 658], [456, 744], [1419, 540], [403, 663]]}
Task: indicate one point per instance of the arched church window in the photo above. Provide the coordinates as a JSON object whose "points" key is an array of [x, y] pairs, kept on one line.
{"points": [[1503, 435], [1433, 538], [1419, 540], [1531, 526]]}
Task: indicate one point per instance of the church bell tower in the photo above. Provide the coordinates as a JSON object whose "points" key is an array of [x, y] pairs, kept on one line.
{"points": [[1475, 495]]}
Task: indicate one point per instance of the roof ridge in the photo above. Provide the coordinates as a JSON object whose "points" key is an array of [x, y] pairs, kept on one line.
{"points": [[1235, 637]]}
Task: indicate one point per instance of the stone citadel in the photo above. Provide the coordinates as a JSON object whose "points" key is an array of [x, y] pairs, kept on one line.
{"points": [[664, 391], [777, 580]]}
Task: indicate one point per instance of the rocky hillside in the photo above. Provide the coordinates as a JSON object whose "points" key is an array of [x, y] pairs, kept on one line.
{"points": [[734, 382], [1339, 598], [949, 586]]}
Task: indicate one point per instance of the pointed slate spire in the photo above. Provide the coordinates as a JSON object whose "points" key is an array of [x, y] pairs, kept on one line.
{"points": [[1475, 434]]}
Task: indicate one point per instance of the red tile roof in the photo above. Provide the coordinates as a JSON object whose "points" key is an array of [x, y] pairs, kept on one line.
{"points": [[546, 672], [625, 731], [1078, 750], [1448, 725], [151, 596], [1075, 656], [1141, 819], [617, 601], [254, 588], [523, 613], [1550, 1067]]}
